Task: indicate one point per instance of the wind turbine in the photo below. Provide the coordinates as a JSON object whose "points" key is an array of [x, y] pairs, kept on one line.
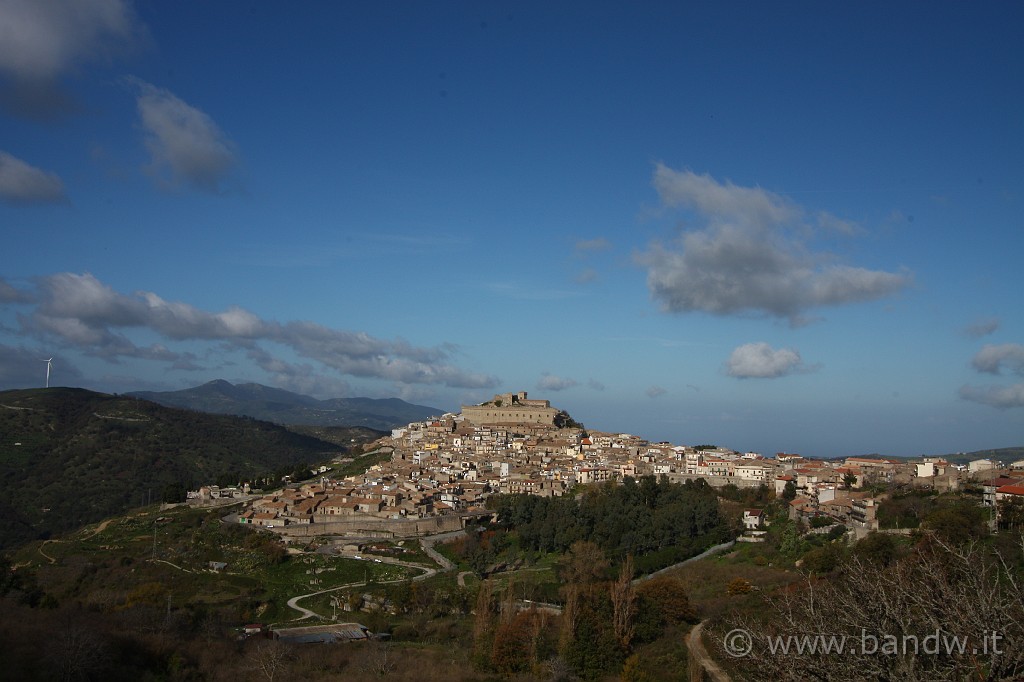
{"points": [[49, 365]]}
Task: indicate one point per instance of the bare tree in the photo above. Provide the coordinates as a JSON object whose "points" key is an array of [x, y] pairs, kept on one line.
{"points": [[270, 658], [944, 612], [623, 598], [77, 651], [379, 661]]}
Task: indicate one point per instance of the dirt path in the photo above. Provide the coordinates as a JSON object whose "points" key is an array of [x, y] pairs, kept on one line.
{"points": [[428, 547], [93, 533], [699, 654]]}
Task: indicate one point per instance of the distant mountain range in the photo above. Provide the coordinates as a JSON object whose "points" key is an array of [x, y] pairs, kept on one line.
{"points": [[284, 407]]}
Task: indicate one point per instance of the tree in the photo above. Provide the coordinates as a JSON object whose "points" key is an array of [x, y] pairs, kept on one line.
{"points": [[849, 480], [823, 559], [174, 492], [585, 563], [515, 643], [789, 491], [958, 523], [791, 545], [667, 594], [483, 623], [879, 549], [1011, 513], [624, 604], [270, 659], [738, 586]]}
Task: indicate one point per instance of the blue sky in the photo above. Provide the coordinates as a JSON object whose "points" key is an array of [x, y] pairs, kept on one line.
{"points": [[770, 226]]}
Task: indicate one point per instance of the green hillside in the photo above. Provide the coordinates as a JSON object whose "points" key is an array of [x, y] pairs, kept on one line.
{"points": [[69, 457], [1004, 455]]}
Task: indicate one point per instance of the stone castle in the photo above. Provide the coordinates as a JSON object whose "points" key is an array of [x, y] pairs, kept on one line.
{"points": [[511, 408]]}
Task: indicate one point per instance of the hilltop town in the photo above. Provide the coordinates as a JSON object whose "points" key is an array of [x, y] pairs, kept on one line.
{"points": [[441, 472]]}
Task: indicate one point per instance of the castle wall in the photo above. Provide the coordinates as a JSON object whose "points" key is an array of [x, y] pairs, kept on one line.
{"points": [[511, 408], [515, 414]]}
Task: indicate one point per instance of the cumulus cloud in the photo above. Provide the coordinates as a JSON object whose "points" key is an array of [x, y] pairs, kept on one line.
{"points": [[550, 382], [1003, 397], [982, 327], [751, 256], [655, 391], [299, 377], [761, 361], [21, 183], [42, 40], [185, 145], [704, 194], [83, 312], [992, 359], [596, 385], [11, 294]]}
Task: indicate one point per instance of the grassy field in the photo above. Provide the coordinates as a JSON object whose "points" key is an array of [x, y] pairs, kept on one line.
{"points": [[157, 556]]}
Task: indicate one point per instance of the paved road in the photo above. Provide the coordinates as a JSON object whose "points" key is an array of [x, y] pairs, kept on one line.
{"points": [[428, 546], [714, 550], [428, 542], [306, 613]]}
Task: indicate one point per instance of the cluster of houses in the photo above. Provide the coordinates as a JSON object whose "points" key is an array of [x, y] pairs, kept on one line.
{"points": [[451, 464], [824, 490]]}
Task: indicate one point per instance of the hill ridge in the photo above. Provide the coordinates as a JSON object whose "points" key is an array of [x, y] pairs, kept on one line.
{"points": [[70, 456], [285, 407]]}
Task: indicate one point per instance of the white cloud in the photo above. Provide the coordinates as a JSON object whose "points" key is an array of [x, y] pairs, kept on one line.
{"points": [[745, 205], [82, 312], [655, 391], [1003, 397], [982, 327], [299, 378], [992, 359], [9, 294], [750, 256], [591, 245], [41, 40], [550, 382], [761, 361], [21, 183], [185, 144]]}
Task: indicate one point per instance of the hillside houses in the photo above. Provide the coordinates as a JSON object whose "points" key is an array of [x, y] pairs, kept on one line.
{"points": [[450, 465]]}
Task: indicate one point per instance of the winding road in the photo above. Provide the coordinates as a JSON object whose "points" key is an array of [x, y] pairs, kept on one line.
{"points": [[428, 547]]}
